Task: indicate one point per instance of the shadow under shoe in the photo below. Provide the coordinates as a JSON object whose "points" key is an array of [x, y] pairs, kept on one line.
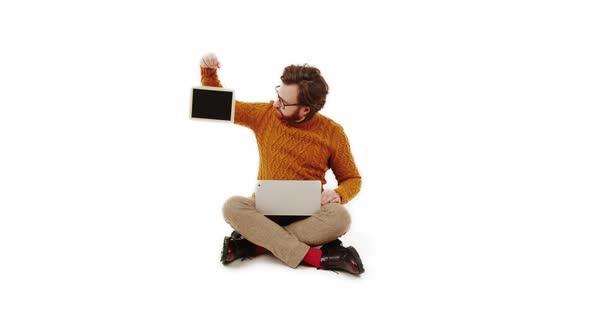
{"points": [[234, 248], [337, 257]]}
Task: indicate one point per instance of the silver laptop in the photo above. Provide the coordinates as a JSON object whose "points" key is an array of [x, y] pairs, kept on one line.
{"points": [[288, 197]]}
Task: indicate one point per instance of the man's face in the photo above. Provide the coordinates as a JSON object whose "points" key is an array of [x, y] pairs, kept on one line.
{"points": [[286, 108]]}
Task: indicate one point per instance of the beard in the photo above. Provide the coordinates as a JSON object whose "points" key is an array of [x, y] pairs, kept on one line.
{"points": [[291, 119]]}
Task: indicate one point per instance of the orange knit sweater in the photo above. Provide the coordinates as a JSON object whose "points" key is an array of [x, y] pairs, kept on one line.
{"points": [[299, 152]]}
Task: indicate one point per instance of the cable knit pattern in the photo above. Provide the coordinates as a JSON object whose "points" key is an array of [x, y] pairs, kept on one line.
{"points": [[303, 151]]}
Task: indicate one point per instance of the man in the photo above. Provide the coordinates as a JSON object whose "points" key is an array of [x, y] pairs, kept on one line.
{"points": [[295, 143]]}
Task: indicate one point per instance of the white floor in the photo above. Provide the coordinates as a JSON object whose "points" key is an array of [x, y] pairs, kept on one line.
{"points": [[166, 275]]}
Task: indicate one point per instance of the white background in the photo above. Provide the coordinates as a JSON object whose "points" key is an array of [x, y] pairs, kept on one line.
{"points": [[468, 121]]}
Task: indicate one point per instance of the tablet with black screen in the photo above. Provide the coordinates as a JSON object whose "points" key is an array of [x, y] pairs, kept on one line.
{"points": [[212, 103]]}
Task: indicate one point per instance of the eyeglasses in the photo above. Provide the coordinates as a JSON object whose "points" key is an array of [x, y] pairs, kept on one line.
{"points": [[281, 100]]}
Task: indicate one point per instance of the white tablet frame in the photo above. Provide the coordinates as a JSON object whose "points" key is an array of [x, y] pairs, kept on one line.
{"points": [[214, 88]]}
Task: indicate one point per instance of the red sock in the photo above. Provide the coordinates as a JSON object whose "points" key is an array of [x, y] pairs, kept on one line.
{"points": [[313, 257], [260, 250]]}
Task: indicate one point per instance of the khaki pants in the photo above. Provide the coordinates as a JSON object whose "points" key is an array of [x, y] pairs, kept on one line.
{"points": [[289, 243]]}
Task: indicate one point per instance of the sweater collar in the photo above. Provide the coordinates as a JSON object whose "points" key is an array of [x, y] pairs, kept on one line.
{"points": [[306, 124]]}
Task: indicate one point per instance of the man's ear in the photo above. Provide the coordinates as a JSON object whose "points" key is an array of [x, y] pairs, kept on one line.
{"points": [[306, 110]]}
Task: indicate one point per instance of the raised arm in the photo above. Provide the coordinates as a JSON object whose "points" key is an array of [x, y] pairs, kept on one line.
{"points": [[246, 114]]}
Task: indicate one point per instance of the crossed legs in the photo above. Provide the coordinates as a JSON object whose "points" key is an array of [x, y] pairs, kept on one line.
{"points": [[288, 243]]}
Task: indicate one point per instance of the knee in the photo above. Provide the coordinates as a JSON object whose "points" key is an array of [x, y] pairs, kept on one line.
{"points": [[340, 217], [233, 205]]}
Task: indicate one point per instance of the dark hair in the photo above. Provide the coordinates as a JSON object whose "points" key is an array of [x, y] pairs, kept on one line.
{"points": [[313, 89]]}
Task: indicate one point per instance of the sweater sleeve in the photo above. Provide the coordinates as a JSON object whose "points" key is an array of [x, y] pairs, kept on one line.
{"points": [[246, 114], [342, 164]]}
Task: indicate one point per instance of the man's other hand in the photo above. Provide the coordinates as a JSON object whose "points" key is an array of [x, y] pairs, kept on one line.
{"points": [[330, 196]]}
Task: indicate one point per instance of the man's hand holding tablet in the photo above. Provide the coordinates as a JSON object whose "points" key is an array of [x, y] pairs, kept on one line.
{"points": [[212, 103], [210, 60]]}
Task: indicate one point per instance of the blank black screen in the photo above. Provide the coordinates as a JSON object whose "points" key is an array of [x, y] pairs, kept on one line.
{"points": [[210, 104]]}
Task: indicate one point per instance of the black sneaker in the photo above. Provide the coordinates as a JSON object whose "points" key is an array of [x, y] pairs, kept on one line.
{"points": [[236, 248], [337, 257]]}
